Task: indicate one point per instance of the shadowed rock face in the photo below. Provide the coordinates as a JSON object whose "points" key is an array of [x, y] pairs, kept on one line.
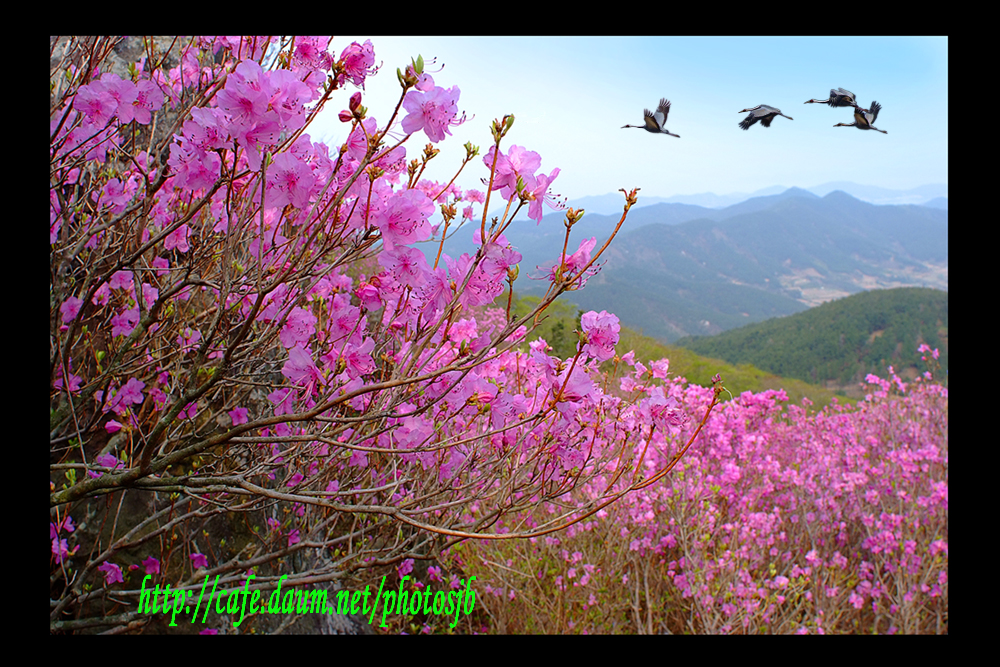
{"points": [[67, 52], [335, 624], [316, 562]]}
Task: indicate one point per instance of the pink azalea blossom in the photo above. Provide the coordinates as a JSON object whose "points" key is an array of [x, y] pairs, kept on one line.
{"points": [[312, 52], [246, 95], [190, 168], [96, 102], [359, 61], [127, 396], [148, 99], [301, 369], [290, 181], [189, 411], [112, 573], [117, 195], [299, 328], [538, 189], [60, 548], [519, 162], [239, 416], [258, 137], [289, 95], [437, 292], [70, 308], [602, 334], [124, 93], [122, 280], [404, 219], [177, 239], [358, 358], [573, 264], [434, 112], [407, 265], [188, 339]]}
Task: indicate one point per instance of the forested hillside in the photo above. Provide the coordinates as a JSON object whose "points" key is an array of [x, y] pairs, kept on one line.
{"points": [[841, 341], [562, 321]]}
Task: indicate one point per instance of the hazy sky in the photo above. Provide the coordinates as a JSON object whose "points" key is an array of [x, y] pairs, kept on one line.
{"points": [[571, 95]]}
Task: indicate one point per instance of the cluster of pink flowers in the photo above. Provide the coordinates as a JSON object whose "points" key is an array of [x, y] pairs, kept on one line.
{"points": [[431, 109], [242, 283], [777, 520], [521, 164]]}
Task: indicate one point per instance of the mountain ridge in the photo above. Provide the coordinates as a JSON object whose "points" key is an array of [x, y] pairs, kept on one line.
{"points": [[611, 203], [677, 269]]}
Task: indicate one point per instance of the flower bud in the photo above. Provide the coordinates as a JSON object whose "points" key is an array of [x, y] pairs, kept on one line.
{"points": [[630, 197], [573, 216], [408, 79], [448, 211]]}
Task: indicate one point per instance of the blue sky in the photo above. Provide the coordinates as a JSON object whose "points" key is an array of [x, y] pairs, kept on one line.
{"points": [[571, 95]]}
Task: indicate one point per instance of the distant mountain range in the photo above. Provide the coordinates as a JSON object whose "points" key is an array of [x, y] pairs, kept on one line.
{"points": [[927, 195], [679, 269]]}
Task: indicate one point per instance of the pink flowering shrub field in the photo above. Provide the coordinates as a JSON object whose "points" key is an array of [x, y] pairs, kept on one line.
{"points": [[259, 378], [777, 520]]}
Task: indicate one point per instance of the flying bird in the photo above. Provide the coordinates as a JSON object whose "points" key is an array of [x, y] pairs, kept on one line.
{"points": [[838, 98], [864, 119], [655, 122], [763, 113]]}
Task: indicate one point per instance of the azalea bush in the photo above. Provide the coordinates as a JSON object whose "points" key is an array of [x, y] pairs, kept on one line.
{"points": [[778, 520], [257, 372]]}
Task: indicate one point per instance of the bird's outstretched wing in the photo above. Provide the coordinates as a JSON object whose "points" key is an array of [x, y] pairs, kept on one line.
{"points": [[860, 115], [748, 121], [876, 107], [766, 121], [647, 117], [664, 108], [842, 92]]}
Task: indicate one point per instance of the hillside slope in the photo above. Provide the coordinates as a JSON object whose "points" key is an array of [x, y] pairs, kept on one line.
{"points": [[840, 342]]}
